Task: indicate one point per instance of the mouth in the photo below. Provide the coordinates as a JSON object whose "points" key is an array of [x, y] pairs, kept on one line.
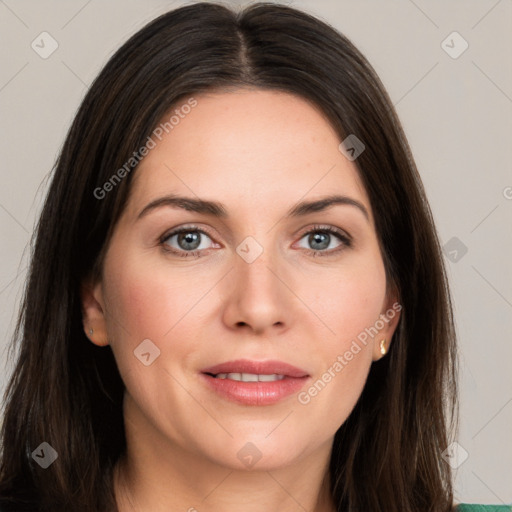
{"points": [[254, 382]]}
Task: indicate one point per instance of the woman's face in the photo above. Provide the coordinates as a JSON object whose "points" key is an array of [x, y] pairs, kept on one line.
{"points": [[237, 342]]}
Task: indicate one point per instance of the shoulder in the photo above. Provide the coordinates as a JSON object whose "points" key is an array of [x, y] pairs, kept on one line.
{"points": [[481, 508]]}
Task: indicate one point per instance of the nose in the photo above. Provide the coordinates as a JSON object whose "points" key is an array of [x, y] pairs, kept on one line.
{"points": [[258, 298]]}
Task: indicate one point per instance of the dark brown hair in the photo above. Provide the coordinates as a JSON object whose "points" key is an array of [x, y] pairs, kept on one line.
{"points": [[68, 392]]}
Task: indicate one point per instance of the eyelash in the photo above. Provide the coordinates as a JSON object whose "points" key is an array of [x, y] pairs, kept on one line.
{"points": [[347, 241]]}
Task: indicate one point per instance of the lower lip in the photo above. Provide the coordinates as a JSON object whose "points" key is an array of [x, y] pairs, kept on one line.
{"points": [[255, 393]]}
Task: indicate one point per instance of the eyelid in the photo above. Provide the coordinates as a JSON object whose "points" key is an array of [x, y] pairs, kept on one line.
{"points": [[185, 228], [328, 228]]}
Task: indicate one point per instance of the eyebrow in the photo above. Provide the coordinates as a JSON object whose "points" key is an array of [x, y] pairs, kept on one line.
{"points": [[217, 209]]}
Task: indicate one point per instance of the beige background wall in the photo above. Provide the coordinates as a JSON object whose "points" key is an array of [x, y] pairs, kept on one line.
{"points": [[456, 107]]}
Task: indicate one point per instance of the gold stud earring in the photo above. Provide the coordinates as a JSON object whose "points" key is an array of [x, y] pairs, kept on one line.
{"points": [[383, 347]]}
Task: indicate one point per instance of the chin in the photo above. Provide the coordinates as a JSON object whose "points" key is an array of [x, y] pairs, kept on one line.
{"points": [[260, 452]]}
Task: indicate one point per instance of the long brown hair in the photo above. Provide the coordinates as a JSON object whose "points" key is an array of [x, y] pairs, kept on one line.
{"points": [[68, 392]]}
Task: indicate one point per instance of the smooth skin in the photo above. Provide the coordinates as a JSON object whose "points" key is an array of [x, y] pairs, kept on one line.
{"points": [[259, 153]]}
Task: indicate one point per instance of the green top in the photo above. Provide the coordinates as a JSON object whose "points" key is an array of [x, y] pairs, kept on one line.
{"points": [[484, 508]]}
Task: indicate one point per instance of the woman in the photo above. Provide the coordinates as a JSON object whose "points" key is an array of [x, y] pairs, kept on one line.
{"points": [[236, 298]]}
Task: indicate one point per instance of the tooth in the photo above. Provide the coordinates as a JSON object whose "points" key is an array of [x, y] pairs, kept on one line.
{"points": [[249, 377], [267, 378]]}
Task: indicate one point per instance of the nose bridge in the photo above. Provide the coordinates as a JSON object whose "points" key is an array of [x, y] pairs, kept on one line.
{"points": [[257, 274], [256, 267]]}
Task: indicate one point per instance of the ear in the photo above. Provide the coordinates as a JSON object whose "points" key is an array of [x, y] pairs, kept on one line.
{"points": [[93, 317], [386, 324]]}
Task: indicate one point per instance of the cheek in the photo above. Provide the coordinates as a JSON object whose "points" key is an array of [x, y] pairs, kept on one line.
{"points": [[349, 300], [143, 305], [344, 359], [338, 389], [146, 301]]}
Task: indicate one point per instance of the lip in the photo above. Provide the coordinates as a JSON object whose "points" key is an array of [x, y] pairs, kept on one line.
{"points": [[255, 393], [258, 367]]}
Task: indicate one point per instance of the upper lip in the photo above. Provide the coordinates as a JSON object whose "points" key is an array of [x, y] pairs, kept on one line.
{"points": [[257, 367]]}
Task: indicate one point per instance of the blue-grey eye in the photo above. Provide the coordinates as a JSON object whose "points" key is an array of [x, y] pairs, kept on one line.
{"points": [[187, 240], [322, 240]]}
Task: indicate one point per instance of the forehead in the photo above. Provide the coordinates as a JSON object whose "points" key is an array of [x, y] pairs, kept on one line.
{"points": [[247, 147]]}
